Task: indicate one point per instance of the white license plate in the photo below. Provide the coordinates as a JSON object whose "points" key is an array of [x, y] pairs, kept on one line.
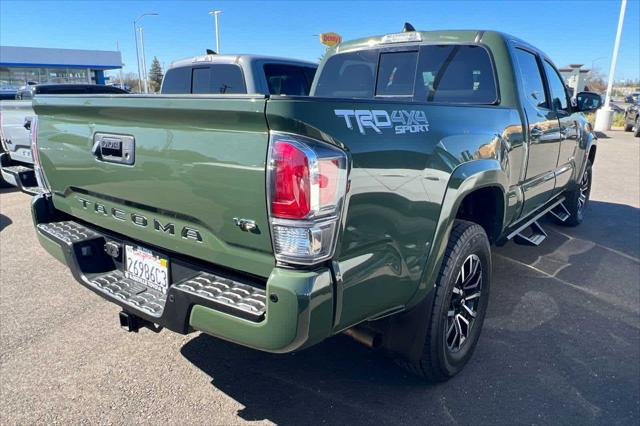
{"points": [[142, 266]]}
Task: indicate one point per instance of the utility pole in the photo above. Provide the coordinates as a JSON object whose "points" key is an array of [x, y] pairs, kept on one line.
{"points": [[135, 34], [604, 115], [144, 62], [121, 65], [216, 14]]}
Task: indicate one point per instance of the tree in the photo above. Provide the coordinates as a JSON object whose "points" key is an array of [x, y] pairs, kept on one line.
{"points": [[595, 82], [155, 75]]}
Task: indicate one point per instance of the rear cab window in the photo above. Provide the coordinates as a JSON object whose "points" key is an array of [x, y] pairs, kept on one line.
{"points": [[451, 73], [207, 79], [293, 80]]}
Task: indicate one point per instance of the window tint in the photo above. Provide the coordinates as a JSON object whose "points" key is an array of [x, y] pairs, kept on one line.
{"points": [[531, 78], [288, 79], [396, 74], [200, 80], [556, 86], [177, 80], [455, 74], [348, 75], [60, 90]]}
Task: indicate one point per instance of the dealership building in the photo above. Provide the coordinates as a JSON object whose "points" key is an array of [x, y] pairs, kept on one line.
{"points": [[22, 65]]}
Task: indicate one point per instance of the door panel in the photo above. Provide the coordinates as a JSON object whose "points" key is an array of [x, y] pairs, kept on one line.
{"points": [[543, 132], [568, 127]]}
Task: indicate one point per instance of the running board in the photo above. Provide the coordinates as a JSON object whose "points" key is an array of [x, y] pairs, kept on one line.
{"points": [[560, 212], [534, 237], [531, 232]]}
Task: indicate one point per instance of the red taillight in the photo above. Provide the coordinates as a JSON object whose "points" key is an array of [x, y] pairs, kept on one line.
{"points": [[291, 185], [307, 186]]}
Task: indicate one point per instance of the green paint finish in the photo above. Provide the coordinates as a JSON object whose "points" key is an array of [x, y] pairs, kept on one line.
{"points": [[301, 316], [193, 168], [53, 248], [398, 184]]}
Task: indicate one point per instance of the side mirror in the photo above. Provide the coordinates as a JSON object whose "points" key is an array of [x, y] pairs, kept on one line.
{"points": [[588, 101]]}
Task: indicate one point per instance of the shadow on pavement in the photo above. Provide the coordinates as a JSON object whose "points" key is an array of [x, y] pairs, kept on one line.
{"points": [[4, 222], [560, 345], [8, 189]]}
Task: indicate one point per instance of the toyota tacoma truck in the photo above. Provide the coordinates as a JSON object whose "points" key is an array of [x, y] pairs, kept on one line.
{"points": [[367, 208]]}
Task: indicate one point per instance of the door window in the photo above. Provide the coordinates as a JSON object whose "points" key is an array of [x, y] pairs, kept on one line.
{"points": [[531, 78], [557, 88]]}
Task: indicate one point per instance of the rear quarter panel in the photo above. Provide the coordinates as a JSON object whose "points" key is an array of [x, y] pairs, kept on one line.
{"points": [[398, 183]]}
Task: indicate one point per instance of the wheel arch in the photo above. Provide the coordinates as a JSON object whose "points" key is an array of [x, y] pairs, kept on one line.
{"points": [[475, 177]]}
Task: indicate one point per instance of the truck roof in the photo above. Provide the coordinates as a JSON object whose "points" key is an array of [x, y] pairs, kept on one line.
{"points": [[430, 37], [236, 58]]}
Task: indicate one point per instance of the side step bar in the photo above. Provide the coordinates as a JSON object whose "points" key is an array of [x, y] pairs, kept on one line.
{"points": [[531, 232]]}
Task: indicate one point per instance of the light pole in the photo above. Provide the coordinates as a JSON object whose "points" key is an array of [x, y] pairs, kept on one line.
{"points": [[135, 34], [604, 115], [215, 14]]}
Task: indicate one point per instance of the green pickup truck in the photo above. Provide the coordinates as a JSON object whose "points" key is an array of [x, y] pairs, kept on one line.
{"points": [[367, 208]]}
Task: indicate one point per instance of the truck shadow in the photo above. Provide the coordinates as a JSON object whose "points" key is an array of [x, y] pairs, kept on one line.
{"points": [[4, 222], [525, 353]]}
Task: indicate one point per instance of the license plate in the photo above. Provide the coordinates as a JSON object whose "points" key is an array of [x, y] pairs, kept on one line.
{"points": [[143, 266]]}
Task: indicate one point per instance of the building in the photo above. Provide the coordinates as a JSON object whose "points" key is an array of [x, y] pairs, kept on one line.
{"points": [[22, 65], [575, 76]]}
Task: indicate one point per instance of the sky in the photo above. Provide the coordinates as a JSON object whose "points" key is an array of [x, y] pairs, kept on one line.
{"points": [[568, 31]]}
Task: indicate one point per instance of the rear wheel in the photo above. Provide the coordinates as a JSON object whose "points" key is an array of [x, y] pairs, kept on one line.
{"points": [[460, 303], [577, 200], [627, 126]]}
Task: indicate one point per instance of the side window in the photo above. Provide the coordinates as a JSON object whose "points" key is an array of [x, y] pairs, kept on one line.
{"points": [[177, 81], [531, 78], [396, 74], [455, 74], [288, 79], [557, 88]]}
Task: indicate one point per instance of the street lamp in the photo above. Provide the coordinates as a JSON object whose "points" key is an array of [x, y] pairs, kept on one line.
{"points": [[215, 14], [135, 34]]}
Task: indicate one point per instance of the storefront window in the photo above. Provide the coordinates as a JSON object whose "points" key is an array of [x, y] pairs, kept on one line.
{"points": [[16, 77]]}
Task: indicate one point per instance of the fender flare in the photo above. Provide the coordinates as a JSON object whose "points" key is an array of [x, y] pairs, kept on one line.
{"points": [[465, 179]]}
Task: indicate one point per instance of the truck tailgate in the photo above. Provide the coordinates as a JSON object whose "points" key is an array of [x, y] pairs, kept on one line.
{"points": [[198, 163]]}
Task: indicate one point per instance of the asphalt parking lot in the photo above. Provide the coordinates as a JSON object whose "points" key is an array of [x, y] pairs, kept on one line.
{"points": [[561, 343]]}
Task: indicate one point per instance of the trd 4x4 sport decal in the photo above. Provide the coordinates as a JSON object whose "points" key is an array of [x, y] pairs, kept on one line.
{"points": [[401, 120]]}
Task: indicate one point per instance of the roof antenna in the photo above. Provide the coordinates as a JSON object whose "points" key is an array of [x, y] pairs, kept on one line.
{"points": [[407, 28], [211, 52]]}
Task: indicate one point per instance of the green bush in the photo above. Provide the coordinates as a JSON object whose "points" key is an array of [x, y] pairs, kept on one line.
{"points": [[618, 120]]}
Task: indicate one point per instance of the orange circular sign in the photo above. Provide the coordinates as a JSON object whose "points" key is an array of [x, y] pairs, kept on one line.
{"points": [[330, 39]]}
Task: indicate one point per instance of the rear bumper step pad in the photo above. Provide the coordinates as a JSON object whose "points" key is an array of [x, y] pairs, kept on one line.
{"points": [[20, 176], [96, 270]]}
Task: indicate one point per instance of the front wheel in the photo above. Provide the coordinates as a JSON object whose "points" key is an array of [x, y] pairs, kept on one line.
{"points": [[577, 200], [460, 303]]}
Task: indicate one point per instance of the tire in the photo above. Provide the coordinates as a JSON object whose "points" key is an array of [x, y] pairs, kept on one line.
{"points": [[443, 356], [627, 127], [577, 199], [636, 132]]}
